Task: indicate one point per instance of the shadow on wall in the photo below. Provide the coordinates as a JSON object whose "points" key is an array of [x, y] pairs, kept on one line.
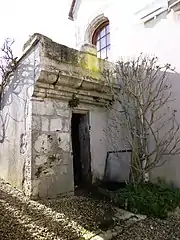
{"points": [[154, 21], [118, 164], [169, 171], [17, 95], [15, 120]]}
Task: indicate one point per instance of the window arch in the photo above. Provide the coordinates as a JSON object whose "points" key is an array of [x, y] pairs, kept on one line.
{"points": [[101, 39], [98, 34]]}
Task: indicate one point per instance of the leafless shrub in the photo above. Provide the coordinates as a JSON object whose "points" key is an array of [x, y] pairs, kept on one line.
{"points": [[142, 107], [8, 64]]}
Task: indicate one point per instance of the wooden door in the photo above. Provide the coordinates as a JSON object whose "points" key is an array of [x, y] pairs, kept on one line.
{"points": [[85, 156]]}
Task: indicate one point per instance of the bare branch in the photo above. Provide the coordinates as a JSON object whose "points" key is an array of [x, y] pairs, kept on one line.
{"points": [[145, 95], [8, 64]]}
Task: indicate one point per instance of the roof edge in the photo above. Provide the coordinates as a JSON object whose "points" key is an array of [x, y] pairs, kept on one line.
{"points": [[70, 15], [75, 4]]}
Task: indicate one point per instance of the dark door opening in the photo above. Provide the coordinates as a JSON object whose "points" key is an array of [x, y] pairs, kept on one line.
{"points": [[81, 149]]}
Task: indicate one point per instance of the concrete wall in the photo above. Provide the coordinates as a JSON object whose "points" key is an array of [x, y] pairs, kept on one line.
{"points": [[15, 142]]}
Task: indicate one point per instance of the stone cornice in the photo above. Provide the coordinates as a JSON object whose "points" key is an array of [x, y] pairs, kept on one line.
{"points": [[63, 86], [65, 71]]}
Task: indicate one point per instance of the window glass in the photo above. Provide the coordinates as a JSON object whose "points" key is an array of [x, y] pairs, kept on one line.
{"points": [[103, 32], [108, 39], [107, 29], [98, 45], [103, 53], [102, 41]]}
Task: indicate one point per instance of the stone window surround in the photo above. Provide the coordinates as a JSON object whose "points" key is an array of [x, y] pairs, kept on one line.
{"points": [[102, 43], [93, 26]]}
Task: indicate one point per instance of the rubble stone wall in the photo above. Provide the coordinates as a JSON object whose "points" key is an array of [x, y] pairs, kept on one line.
{"points": [[52, 171]]}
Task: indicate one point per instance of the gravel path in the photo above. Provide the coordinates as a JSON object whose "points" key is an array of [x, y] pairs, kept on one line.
{"points": [[71, 218], [65, 218], [152, 229]]}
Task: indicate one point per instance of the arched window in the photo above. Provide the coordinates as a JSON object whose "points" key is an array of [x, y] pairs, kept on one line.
{"points": [[101, 38]]}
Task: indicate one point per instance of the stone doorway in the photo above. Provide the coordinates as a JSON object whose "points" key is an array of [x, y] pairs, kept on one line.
{"points": [[81, 149]]}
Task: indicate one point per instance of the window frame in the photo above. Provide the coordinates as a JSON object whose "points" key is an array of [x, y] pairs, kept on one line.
{"points": [[96, 35]]}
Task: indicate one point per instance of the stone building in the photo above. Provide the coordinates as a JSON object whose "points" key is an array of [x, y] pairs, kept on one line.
{"points": [[57, 96], [53, 109]]}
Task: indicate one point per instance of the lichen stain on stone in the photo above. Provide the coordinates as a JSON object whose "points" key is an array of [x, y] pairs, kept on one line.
{"points": [[64, 54], [60, 53], [43, 144], [50, 138], [52, 158], [92, 64], [23, 143], [39, 171], [47, 167]]}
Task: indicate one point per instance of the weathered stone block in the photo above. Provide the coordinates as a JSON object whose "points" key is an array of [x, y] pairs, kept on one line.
{"points": [[43, 144], [35, 187], [41, 159], [67, 157], [63, 112], [45, 124], [56, 124], [64, 169], [48, 172], [52, 185], [64, 141], [60, 105], [66, 125], [43, 108], [36, 123]]}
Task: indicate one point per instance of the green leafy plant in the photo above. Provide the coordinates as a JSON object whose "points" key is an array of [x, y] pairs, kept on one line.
{"points": [[147, 198], [74, 102]]}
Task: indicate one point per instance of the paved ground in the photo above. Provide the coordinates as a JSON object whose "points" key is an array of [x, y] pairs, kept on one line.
{"points": [[72, 218]]}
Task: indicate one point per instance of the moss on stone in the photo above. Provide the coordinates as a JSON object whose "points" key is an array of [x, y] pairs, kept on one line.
{"points": [[91, 64]]}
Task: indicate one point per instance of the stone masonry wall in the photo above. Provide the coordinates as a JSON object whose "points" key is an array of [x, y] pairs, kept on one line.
{"points": [[52, 172]]}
